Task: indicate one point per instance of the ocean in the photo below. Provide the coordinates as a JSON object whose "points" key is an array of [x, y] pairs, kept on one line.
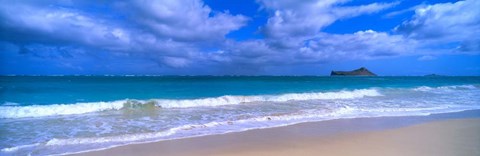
{"points": [[49, 115]]}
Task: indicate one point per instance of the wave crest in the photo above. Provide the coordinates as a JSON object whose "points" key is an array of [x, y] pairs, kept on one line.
{"points": [[445, 88], [229, 100], [81, 108]]}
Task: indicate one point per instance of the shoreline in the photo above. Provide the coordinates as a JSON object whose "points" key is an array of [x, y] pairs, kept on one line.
{"points": [[301, 137]]}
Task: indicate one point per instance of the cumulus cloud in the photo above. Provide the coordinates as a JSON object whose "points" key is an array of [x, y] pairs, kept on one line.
{"points": [[324, 47], [189, 20], [189, 34], [170, 33], [367, 44], [23, 23], [294, 29], [446, 23], [293, 35], [306, 18], [403, 11]]}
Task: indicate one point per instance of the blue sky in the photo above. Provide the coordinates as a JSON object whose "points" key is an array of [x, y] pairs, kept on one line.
{"points": [[239, 37]]}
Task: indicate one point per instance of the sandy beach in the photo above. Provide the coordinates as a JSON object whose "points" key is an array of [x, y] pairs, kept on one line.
{"points": [[340, 137], [239, 78]]}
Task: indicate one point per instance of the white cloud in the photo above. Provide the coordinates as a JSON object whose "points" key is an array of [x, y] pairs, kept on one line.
{"points": [[367, 44], [167, 32], [322, 48], [446, 23], [47, 24], [352, 11], [185, 20], [403, 11], [291, 19], [176, 62], [189, 34], [244, 52]]}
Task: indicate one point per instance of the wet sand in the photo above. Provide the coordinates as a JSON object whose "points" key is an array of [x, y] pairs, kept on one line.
{"points": [[337, 137]]}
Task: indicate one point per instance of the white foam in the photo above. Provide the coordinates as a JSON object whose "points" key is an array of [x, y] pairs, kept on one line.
{"points": [[229, 100], [15, 111], [81, 108], [13, 149], [394, 105], [445, 88], [111, 139], [57, 109], [255, 123], [246, 124], [10, 104]]}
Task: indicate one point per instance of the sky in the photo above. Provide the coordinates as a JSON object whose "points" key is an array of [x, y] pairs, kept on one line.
{"points": [[239, 37]]}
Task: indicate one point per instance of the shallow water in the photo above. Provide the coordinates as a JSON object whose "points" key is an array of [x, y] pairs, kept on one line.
{"points": [[55, 115]]}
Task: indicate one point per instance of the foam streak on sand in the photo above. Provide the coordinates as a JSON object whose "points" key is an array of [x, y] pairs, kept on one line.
{"points": [[439, 138], [184, 130], [211, 128]]}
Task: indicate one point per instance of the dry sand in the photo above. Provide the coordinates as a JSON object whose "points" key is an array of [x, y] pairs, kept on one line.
{"points": [[454, 137]]}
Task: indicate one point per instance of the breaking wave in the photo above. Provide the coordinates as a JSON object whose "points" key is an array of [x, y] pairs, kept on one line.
{"points": [[16, 111], [188, 130], [81, 108], [445, 88]]}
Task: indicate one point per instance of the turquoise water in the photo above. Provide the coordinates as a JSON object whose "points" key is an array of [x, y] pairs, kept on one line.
{"points": [[72, 89], [41, 115]]}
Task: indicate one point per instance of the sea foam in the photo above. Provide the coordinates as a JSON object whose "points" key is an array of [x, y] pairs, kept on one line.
{"points": [[81, 108], [228, 100], [183, 130], [445, 88], [57, 109], [192, 130], [10, 111]]}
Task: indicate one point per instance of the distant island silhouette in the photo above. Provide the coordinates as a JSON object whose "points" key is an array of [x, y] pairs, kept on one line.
{"points": [[358, 72]]}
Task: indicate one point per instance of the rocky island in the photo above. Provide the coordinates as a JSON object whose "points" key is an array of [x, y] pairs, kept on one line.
{"points": [[358, 72]]}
